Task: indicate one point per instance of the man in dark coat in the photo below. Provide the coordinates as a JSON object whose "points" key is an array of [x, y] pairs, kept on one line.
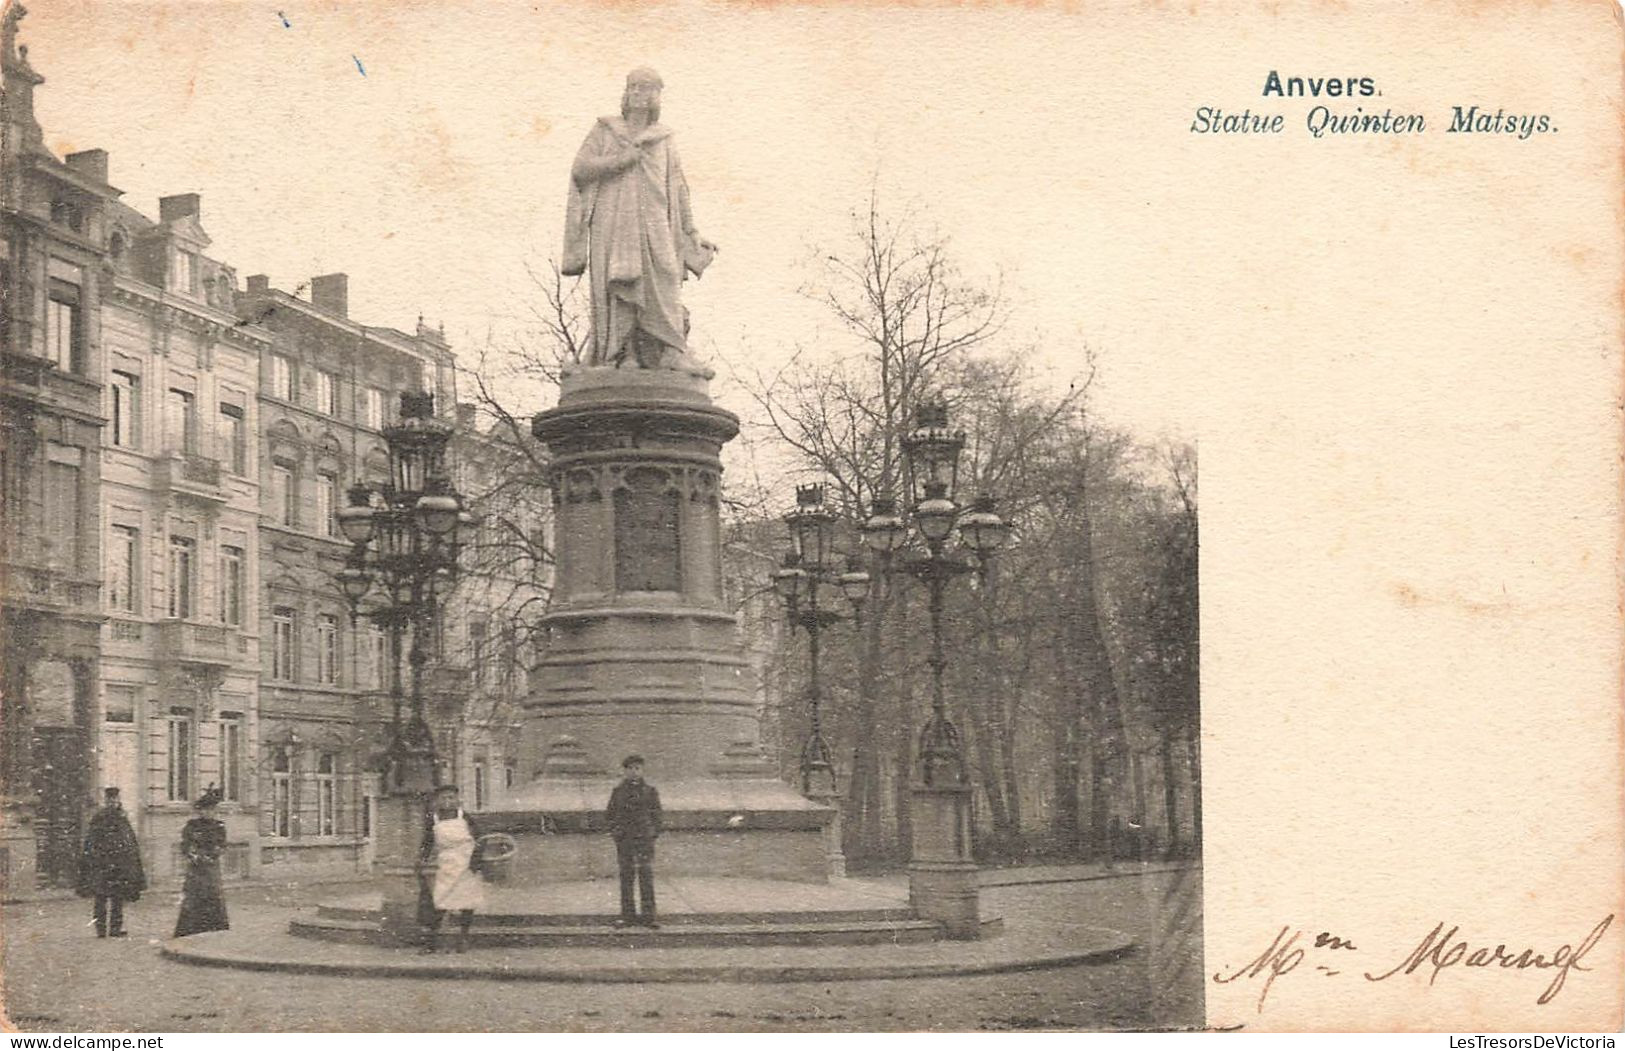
{"points": [[634, 821], [110, 866]]}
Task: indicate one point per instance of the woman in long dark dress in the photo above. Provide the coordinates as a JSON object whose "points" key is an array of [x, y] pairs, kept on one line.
{"points": [[203, 840]]}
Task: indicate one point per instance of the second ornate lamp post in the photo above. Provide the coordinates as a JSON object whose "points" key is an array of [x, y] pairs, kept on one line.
{"points": [[406, 545], [931, 457], [943, 883], [803, 582]]}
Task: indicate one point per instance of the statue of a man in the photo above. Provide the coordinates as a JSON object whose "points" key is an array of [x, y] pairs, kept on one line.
{"points": [[629, 226]]}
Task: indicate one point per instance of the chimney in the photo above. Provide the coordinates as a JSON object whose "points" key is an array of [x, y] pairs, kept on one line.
{"points": [[91, 163], [331, 292], [465, 414], [179, 206], [258, 284]]}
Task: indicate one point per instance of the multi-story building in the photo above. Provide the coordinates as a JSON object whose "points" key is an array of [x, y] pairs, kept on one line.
{"points": [[488, 640], [180, 492], [173, 451], [53, 233], [328, 386]]}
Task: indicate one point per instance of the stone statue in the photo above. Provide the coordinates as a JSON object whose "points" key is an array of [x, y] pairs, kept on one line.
{"points": [[628, 225]]}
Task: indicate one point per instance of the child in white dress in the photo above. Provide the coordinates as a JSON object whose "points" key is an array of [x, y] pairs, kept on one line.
{"points": [[457, 886]]}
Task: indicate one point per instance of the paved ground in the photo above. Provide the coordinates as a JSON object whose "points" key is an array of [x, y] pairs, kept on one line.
{"points": [[58, 977]]}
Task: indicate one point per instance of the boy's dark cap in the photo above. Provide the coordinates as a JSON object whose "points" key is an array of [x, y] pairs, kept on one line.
{"points": [[631, 760], [110, 793]]}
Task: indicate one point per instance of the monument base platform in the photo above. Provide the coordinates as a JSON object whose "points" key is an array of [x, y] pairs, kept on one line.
{"points": [[693, 912], [748, 828], [1032, 938]]}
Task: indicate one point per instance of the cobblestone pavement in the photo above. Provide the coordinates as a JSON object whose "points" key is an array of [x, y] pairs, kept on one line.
{"points": [[59, 978]]}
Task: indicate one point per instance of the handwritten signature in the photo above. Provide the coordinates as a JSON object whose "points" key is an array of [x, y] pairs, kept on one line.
{"points": [[1439, 949]]}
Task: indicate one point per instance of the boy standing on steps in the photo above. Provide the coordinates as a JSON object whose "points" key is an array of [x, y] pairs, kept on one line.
{"points": [[634, 822]]}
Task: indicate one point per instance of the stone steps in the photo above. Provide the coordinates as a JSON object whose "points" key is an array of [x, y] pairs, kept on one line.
{"points": [[669, 919], [689, 931]]}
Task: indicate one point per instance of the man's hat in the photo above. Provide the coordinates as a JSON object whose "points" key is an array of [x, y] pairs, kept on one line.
{"points": [[632, 760], [110, 793]]}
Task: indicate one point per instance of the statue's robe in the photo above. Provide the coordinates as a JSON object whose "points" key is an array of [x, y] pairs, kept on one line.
{"points": [[633, 232]]}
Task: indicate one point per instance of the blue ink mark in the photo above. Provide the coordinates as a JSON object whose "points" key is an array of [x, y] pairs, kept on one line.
{"points": [[285, 23], [359, 66]]}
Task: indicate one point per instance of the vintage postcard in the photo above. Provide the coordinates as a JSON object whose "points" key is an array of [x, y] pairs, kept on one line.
{"points": [[615, 517]]}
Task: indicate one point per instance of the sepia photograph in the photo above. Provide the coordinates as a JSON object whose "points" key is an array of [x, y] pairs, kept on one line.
{"points": [[614, 518], [455, 539]]}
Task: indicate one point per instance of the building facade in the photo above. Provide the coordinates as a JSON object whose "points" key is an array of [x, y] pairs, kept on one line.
{"points": [[180, 504], [174, 447], [53, 216]]}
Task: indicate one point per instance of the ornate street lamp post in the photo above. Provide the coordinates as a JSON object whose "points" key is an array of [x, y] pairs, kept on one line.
{"points": [[803, 582], [931, 460], [943, 882], [404, 550]]}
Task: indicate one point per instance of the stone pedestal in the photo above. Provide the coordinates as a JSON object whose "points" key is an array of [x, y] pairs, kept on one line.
{"points": [[642, 653], [834, 854], [399, 842], [943, 883]]}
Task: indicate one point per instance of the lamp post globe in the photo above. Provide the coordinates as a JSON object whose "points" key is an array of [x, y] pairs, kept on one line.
{"points": [[884, 530], [355, 519], [438, 513], [983, 531]]}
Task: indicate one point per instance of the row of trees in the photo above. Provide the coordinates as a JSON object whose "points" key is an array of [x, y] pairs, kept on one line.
{"points": [[1073, 674], [1073, 669]]}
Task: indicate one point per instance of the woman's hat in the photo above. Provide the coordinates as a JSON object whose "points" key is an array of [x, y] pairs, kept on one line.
{"points": [[211, 797]]}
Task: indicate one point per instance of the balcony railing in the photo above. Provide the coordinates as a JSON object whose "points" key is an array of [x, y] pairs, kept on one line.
{"points": [[189, 475], [46, 588], [192, 642]]}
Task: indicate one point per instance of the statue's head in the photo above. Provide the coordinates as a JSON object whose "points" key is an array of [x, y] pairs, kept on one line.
{"points": [[642, 92]]}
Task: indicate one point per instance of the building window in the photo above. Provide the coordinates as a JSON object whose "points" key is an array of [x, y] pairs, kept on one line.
{"points": [[65, 213], [231, 585], [378, 651], [374, 411], [181, 575], [231, 756], [281, 794], [281, 377], [284, 494], [120, 704], [507, 775], [326, 796], [64, 327], [327, 649], [126, 423], [62, 511], [284, 644], [185, 272], [122, 552], [366, 817], [479, 785], [233, 438], [178, 746], [327, 505], [180, 421], [327, 394]]}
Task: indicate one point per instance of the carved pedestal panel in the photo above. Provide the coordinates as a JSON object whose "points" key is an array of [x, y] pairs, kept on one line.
{"points": [[642, 653]]}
